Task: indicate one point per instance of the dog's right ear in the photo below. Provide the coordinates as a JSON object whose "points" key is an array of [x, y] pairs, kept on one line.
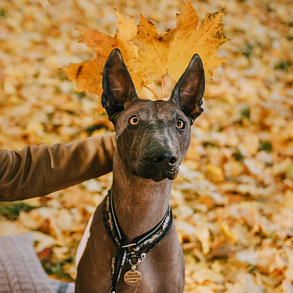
{"points": [[118, 87]]}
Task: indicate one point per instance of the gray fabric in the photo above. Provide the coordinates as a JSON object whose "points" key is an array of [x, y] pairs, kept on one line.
{"points": [[20, 269], [62, 287]]}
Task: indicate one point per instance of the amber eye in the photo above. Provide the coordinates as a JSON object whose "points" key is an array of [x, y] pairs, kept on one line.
{"points": [[133, 120], [180, 124]]}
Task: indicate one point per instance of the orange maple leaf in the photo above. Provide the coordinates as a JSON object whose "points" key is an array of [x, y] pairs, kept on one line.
{"points": [[88, 75], [150, 56]]}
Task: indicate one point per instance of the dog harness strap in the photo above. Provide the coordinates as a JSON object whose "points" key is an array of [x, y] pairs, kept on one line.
{"points": [[135, 251]]}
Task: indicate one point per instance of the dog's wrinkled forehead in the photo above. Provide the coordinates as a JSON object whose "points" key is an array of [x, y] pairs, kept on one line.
{"points": [[151, 111]]}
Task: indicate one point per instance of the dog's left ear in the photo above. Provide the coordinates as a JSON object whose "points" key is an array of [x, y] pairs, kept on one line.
{"points": [[189, 90], [118, 87]]}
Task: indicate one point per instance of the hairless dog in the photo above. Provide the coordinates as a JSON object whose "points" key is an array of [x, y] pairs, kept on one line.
{"points": [[132, 244]]}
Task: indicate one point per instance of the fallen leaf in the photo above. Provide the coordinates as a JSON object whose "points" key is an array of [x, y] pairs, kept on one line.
{"points": [[185, 230], [221, 248], [203, 235], [42, 241], [11, 228], [205, 274], [214, 173], [287, 286]]}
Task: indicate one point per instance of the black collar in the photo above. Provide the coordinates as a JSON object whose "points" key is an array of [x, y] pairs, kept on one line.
{"points": [[135, 251]]}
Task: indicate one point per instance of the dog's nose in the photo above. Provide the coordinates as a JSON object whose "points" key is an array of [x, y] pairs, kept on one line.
{"points": [[164, 157]]}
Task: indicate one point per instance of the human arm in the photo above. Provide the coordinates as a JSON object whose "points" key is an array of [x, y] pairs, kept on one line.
{"points": [[39, 170]]}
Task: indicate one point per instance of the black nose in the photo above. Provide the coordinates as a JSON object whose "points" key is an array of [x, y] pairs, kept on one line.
{"points": [[163, 157]]}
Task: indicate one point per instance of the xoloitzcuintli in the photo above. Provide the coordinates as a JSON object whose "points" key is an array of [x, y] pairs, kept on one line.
{"points": [[152, 140]]}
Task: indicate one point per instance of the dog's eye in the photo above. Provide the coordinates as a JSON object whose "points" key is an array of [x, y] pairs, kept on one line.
{"points": [[180, 124], [133, 120]]}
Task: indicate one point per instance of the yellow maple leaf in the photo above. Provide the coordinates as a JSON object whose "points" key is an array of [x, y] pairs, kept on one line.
{"points": [[170, 52]]}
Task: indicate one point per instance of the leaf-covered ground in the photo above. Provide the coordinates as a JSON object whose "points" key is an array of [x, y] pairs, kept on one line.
{"points": [[233, 201]]}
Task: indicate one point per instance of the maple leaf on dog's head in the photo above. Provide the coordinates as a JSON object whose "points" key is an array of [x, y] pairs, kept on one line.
{"points": [[88, 75], [170, 52], [149, 56]]}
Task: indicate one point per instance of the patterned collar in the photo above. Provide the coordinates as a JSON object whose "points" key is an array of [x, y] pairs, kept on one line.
{"points": [[135, 251]]}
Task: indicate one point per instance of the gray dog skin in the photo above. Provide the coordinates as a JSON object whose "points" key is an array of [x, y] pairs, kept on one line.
{"points": [[149, 152]]}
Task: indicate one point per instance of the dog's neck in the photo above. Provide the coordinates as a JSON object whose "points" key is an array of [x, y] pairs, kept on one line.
{"points": [[139, 203]]}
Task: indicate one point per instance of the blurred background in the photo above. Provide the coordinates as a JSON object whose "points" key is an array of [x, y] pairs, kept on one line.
{"points": [[233, 199]]}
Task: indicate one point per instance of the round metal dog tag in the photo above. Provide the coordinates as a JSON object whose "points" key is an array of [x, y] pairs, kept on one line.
{"points": [[132, 277]]}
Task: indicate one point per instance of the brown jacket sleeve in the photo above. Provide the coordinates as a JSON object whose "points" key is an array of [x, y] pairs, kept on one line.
{"points": [[36, 171]]}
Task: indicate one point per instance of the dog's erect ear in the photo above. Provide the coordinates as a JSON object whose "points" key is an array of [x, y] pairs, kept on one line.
{"points": [[118, 87], [189, 90]]}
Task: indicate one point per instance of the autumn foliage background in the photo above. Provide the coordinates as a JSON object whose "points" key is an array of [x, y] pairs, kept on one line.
{"points": [[233, 200]]}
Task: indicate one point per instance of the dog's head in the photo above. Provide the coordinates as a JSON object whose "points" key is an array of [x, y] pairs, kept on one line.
{"points": [[152, 136]]}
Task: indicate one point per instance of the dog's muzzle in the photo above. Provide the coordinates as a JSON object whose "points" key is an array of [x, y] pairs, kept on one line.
{"points": [[158, 166]]}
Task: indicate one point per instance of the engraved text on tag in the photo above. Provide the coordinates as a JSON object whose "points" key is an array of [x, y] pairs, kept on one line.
{"points": [[132, 277]]}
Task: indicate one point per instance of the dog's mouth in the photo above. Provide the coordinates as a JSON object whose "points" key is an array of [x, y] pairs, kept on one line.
{"points": [[156, 174]]}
